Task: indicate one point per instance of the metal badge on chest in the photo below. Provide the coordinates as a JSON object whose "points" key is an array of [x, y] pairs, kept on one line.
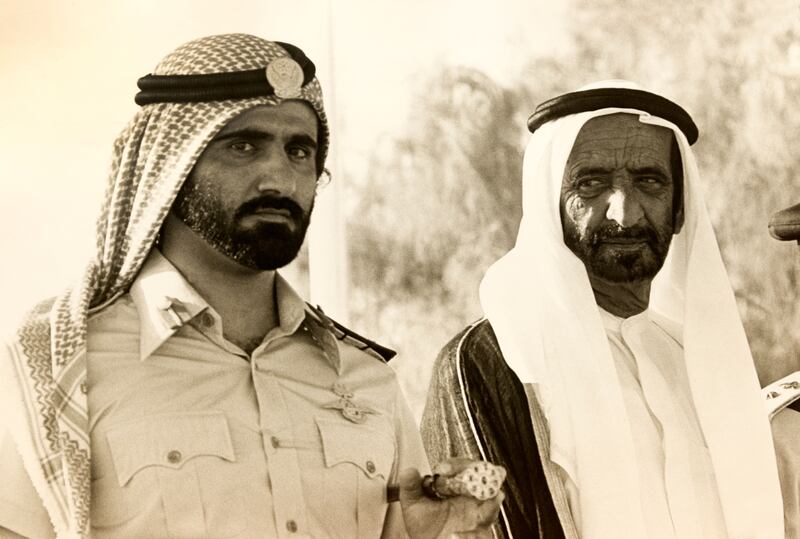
{"points": [[347, 406]]}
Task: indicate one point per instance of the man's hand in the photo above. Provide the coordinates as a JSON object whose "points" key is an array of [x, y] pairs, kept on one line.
{"points": [[460, 516]]}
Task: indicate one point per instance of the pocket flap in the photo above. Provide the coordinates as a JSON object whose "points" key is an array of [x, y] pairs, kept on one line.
{"points": [[372, 451], [168, 440]]}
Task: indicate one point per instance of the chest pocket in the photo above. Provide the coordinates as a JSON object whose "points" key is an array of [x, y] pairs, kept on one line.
{"points": [[358, 459], [176, 465]]}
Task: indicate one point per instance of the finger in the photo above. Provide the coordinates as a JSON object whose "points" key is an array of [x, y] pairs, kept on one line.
{"points": [[469, 515], [441, 487], [453, 465], [487, 511], [476, 515]]}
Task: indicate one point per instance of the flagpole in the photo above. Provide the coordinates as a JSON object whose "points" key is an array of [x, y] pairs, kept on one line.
{"points": [[327, 244]]}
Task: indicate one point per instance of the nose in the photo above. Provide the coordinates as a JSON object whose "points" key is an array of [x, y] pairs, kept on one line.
{"points": [[274, 175], [624, 208]]}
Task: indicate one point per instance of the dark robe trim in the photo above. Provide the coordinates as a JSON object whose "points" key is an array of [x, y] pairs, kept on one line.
{"points": [[603, 98], [216, 86], [499, 407], [785, 224]]}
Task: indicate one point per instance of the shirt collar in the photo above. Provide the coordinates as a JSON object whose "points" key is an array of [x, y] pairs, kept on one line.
{"points": [[291, 307], [613, 323], [165, 301], [294, 313]]}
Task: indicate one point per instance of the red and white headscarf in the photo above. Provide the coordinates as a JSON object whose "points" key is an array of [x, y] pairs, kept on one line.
{"points": [[43, 368]]}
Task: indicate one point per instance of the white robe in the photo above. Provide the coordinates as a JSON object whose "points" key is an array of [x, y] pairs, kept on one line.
{"points": [[540, 303]]}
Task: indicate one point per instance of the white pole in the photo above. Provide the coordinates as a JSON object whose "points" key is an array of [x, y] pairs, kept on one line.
{"points": [[327, 243]]}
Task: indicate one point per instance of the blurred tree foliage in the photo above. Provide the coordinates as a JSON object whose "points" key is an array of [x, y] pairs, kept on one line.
{"points": [[442, 199], [735, 65]]}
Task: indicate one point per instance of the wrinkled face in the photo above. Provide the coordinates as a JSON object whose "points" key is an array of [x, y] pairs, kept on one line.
{"points": [[251, 192], [617, 196]]}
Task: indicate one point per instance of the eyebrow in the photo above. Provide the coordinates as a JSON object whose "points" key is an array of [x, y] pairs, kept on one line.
{"points": [[250, 133], [304, 140], [591, 171], [656, 171]]}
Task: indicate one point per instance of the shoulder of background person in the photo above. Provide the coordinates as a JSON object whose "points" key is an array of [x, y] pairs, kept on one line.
{"points": [[781, 394]]}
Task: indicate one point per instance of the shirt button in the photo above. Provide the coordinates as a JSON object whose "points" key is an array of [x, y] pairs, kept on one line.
{"points": [[206, 319], [370, 466], [174, 456], [291, 525], [275, 442]]}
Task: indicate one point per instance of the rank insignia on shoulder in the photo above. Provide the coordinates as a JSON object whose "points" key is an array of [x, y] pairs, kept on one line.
{"points": [[351, 337], [778, 395]]}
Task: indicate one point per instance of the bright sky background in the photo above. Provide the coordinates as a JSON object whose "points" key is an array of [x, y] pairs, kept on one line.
{"points": [[69, 71]]}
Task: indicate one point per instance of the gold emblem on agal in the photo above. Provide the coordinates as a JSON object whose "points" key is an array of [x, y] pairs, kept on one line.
{"points": [[285, 76]]}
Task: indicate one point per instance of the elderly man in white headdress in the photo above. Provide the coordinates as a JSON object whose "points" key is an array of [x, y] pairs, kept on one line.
{"points": [[611, 375], [182, 388]]}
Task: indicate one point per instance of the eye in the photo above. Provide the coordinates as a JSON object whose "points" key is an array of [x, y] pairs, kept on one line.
{"points": [[590, 186], [242, 147], [298, 152], [651, 183]]}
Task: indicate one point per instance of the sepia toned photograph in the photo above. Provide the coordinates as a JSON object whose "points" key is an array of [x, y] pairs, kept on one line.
{"points": [[427, 269]]}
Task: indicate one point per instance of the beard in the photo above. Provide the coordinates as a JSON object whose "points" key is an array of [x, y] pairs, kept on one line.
{"points": [[629, 262], [260, 245]]}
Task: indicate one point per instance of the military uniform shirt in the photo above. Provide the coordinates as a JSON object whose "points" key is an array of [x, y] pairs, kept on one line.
{"points": [[192, 438]]}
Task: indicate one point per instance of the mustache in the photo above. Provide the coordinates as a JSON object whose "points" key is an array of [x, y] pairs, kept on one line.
{"points": [[611, 232], [270, 202]]}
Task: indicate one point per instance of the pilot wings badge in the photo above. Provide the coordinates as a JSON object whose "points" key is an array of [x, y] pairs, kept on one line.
{"points": [[349, 408]]}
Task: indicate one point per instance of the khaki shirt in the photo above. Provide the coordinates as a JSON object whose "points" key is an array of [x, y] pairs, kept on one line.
{"points": [[191, 437]]}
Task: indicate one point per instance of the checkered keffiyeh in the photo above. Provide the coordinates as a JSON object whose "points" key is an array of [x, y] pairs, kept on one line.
{"points": [[45, 363]]}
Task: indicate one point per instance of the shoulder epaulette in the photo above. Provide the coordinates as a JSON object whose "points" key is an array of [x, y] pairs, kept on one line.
{"points": [[778, 395], [351, 337]]}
